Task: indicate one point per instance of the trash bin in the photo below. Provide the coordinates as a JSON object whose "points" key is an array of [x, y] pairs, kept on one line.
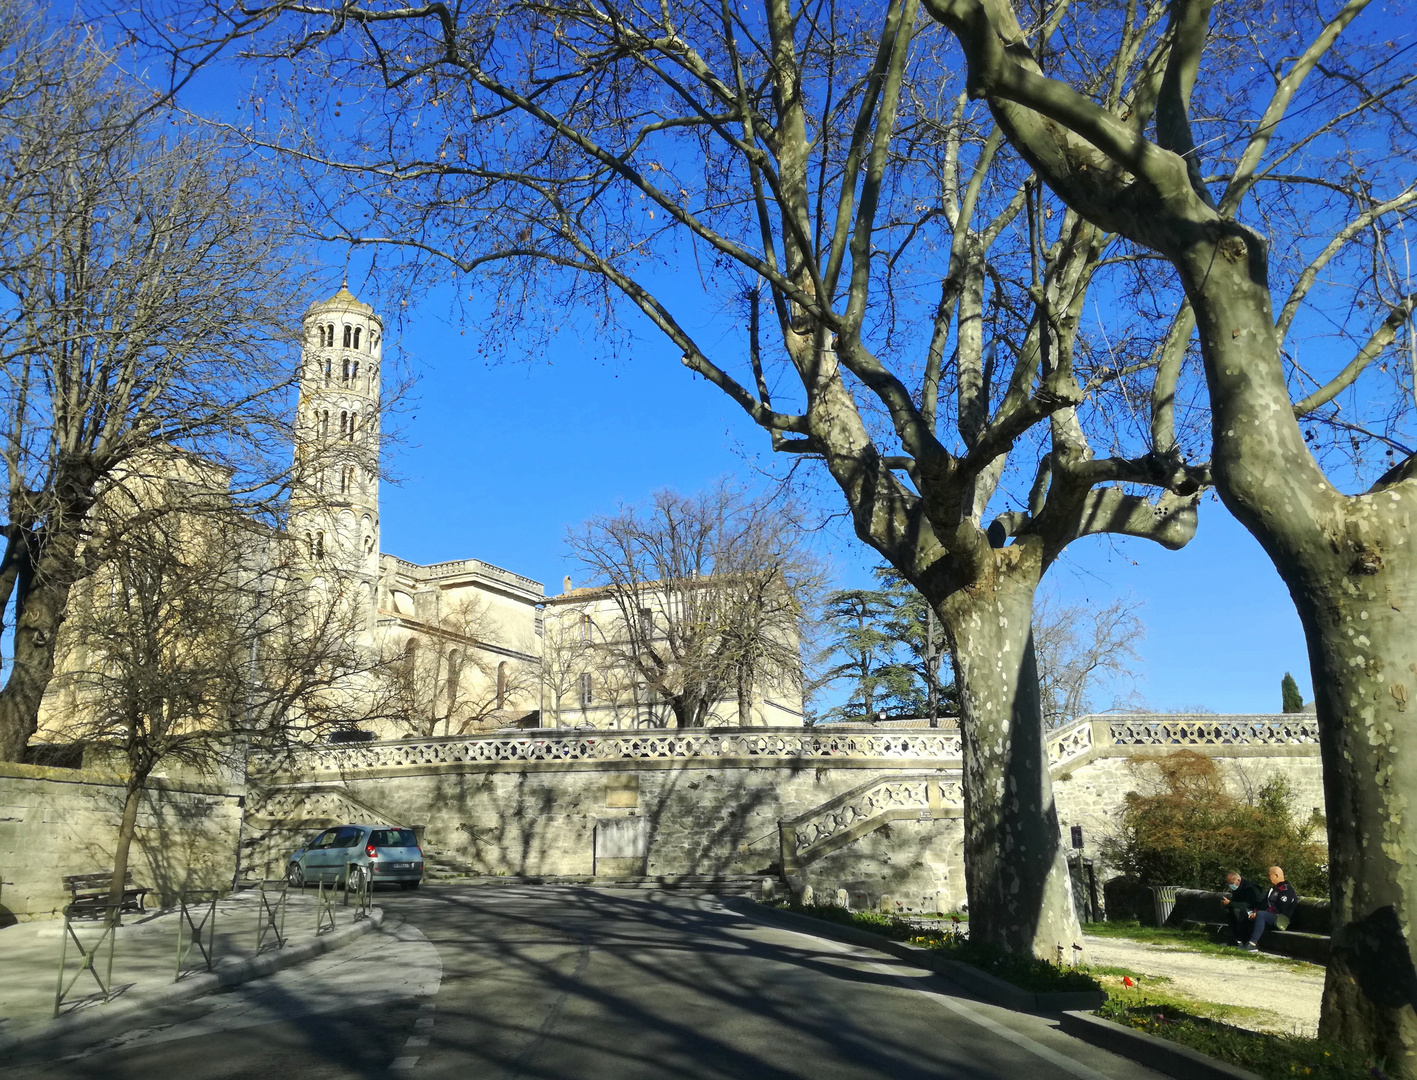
{"points": [[1164, 897]]}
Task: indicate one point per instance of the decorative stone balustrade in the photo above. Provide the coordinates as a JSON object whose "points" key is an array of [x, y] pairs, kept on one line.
{"points": [[1070, 743], [610, 746], [871, 805], [828, 743], [1160, 729]]}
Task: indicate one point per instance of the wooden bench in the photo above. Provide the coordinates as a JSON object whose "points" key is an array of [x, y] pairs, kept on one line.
{"points": [[88, 894]]}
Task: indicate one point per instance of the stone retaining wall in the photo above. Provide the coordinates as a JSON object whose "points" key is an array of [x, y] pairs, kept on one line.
{"points": [[55, 822]]}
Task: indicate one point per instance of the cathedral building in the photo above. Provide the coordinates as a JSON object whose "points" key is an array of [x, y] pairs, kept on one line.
{"points": [[457, 647]]}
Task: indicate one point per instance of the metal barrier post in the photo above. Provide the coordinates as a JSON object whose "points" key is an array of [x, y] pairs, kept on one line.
{"points": [[358, 878], [105, 982], [207, 923], [271, 920], [325, 908]]}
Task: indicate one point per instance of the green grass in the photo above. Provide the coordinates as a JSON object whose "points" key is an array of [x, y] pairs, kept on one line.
{"points": [[1190, 940], [1037, 976], [1275, 1057]]}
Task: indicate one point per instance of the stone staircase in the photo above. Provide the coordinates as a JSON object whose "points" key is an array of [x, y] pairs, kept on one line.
{"points": [[280, 819], [864, 809]]}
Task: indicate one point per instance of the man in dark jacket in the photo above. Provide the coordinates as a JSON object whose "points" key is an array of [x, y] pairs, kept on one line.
{"points": [[1241, 899], [1277, 908]]}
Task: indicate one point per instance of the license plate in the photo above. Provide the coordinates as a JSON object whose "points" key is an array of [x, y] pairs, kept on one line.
{"points": [[401, 866]]}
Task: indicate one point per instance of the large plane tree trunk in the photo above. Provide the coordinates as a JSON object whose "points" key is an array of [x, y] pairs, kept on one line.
{"points": [[1364, 661], [1016, 869], [1349, 564]]}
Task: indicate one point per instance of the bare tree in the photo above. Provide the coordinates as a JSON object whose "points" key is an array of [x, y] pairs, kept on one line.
{"points": [[1318, 158], [1080, 646], [705, 597], [145, 293], [199, 636], [448, 673]]}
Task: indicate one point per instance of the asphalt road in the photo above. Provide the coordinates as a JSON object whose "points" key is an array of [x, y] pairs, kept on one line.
{"points": [[503, 982]]}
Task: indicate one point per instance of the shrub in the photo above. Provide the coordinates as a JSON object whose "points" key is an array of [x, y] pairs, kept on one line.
{"points": [[1190, 830]]}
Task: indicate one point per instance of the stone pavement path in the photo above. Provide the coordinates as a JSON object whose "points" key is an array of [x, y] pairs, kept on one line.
{"points": [[1289, 994], [144, 954]]}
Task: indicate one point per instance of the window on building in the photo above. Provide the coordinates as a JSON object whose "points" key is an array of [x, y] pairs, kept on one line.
{"points": [[356, 337], [583, 685], [354, 373], [373, 339], [646, 622], [320, 482], [325, 424], [353, 425], [347, 331], [327, 371], [586, 627], [346, 479], [316, 542], [343, 425], [369, 545], [344, 373]]}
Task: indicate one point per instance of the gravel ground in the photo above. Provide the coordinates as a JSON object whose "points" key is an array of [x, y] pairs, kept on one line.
{"points": [[1289, 995]]}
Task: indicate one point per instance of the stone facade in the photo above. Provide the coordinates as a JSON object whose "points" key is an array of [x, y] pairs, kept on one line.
{"points": [[55, 822]]}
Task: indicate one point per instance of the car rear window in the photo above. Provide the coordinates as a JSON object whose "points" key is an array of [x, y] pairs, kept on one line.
{"points": [[393, 838]]}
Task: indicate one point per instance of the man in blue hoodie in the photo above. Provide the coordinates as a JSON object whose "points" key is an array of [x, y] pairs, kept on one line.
{"points": [[1242, 898], [1278, 907]]}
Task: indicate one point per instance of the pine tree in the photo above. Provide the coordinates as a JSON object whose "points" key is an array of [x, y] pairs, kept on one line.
{"points": [[1289, 691]]}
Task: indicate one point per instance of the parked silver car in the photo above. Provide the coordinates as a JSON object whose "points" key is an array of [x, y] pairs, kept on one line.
{"points": [[385, 853]]}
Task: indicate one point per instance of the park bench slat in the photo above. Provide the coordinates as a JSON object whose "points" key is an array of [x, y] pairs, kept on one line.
{"points": [[88, 893]]}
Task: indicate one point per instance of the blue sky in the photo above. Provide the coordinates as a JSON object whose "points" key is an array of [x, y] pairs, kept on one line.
{"points": [[497, 461]]}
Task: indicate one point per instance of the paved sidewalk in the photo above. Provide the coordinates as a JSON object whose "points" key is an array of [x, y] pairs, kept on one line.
{"points": [[145, 974]]}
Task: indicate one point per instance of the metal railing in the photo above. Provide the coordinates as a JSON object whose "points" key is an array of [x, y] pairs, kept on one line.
{"points": [[88, 956], [202, 934]]}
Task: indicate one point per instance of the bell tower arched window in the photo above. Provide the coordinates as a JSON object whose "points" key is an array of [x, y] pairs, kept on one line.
{"points": [[356, 337], [347, 331]]}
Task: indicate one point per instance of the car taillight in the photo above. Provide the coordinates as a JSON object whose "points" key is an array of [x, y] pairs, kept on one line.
{"points": [[371, 851]]}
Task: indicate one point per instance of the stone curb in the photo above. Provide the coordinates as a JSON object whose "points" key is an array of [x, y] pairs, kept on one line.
{"points": [[981, 983], [103, 1022], [1156, 1053]]}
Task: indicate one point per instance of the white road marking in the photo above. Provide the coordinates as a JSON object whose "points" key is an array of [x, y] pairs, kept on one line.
{"points": [[423, 1024], [416, 1041], [404, 1062]]}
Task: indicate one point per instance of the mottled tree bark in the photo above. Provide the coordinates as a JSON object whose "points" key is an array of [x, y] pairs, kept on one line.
{"points": [[1015, 866], [1349, 564]]}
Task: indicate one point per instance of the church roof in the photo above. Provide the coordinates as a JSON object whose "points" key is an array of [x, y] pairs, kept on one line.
{"points": [[344, 299]]}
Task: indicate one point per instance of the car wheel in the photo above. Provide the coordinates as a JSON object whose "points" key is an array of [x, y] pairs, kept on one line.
{"points": [[354, 880], [409, 884], [295, 876]]}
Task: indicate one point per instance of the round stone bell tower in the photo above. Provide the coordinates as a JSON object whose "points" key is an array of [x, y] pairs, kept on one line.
{"points": [[335, 508]]}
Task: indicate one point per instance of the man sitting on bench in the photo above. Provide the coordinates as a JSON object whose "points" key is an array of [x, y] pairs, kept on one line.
{"points": [[1278, 907], [1241, 899]]}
